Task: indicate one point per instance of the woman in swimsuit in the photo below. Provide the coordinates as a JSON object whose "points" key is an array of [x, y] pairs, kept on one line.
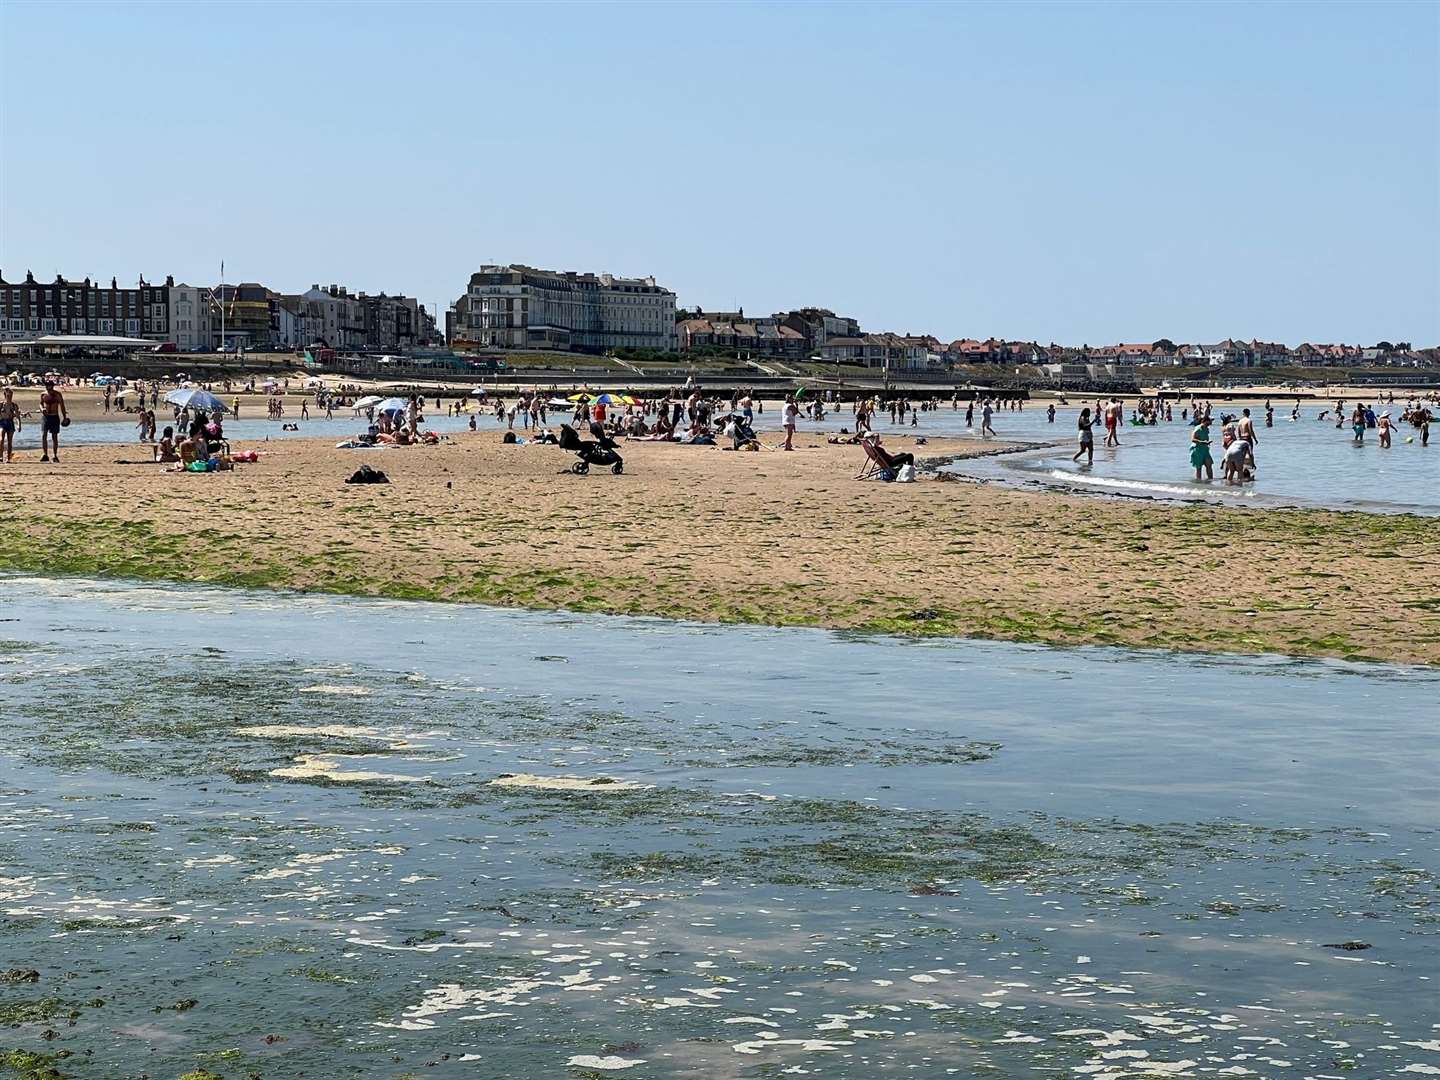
{"points": [[1087, 437]]}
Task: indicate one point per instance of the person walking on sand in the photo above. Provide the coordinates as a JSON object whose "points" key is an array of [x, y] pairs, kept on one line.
{"points": [[788, 418], [9, 421], [1200, 449], [52, 413], [1087, 436]]}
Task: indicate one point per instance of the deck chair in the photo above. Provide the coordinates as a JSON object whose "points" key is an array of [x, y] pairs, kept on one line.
{"points": [[876, 461]]}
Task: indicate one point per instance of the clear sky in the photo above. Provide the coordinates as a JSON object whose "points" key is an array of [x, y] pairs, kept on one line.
{"points": [[1071, 172]]}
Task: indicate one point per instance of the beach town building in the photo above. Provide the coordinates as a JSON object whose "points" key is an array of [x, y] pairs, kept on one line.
{"points": [[819, 325], [30, 308], [243, 316], [521, 307], [394, 323], [191, 307], [763, 336], [334, 317], [887, 351]]}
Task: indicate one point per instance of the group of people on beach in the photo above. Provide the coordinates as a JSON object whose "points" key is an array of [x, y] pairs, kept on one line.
{"points": [[53, 416]]}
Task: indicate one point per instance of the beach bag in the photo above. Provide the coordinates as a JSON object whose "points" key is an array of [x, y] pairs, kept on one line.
{"points": [[888, 475], [366, 475], [906, 475]]}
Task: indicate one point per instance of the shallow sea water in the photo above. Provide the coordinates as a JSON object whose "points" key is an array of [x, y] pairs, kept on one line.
{"points": [[1301, 463], [261, 834]]}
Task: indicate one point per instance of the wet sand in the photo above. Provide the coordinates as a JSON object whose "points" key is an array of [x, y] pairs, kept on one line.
{"points": [[775, 538]]}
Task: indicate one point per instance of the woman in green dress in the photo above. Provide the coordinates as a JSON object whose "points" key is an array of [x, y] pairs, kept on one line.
{"points": [[1200, 450]]}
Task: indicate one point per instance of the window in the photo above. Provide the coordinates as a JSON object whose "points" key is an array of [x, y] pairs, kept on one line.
{"points": [[47, 325], [132, 326]]}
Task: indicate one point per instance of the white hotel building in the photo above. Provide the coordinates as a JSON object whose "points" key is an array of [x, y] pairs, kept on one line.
{"points": [[519, 307]]}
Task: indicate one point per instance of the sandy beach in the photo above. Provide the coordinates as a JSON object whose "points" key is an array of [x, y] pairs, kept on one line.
{"points": [[773, 538]]}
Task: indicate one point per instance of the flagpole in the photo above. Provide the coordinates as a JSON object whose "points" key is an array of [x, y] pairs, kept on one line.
{"points": [[222, 307]]}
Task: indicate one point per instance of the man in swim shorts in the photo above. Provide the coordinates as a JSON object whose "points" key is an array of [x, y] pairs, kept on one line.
{"points": [[52, 411]]}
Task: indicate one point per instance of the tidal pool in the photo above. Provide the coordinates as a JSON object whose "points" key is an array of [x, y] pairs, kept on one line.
{"points": [[280, 835]]}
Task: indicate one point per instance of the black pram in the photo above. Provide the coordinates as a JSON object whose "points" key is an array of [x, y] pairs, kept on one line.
{"points": [[599, 452]]}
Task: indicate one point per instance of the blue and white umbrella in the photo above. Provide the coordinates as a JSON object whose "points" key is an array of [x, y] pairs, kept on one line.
{"points": [[201, 400], [394, 404]]}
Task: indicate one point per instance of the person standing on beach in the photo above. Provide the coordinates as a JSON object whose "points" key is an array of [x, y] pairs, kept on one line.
{"points": [[1087, 436], [1200, 449], [970, 413], [788, 419], [986, 411], [1050, 414], [52, 411], [9, 421]]}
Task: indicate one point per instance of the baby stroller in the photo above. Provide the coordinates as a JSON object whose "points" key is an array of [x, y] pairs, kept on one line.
{"points": [[599, 452]]}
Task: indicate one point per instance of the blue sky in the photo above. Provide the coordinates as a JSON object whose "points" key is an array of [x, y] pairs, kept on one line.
{"points": [[1068, 172]]}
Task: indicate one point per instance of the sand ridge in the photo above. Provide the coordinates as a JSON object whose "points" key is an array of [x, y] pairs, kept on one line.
{"points": [[777, 538]]}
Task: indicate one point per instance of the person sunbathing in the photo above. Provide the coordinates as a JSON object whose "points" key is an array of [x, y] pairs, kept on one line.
{"points": [[887, 459], [165, 448]]}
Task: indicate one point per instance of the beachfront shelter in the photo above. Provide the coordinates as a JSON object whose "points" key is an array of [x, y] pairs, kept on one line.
{"points": [[53, 343]]}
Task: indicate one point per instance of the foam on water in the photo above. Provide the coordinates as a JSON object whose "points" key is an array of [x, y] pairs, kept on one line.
{"points": [[1141, 487]]}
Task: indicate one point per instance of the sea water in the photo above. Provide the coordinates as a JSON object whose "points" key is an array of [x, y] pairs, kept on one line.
{"points": [[1307, 462], [274, 834]]}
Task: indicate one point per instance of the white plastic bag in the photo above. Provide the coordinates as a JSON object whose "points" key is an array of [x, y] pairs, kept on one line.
{"points": [[907, 475]]}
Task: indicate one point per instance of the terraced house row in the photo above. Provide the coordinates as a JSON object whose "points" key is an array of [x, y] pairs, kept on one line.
{"points": [[199, 318]]}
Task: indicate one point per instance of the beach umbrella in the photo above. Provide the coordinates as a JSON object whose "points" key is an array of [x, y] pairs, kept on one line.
{"points": [[129, 392], [479, 391], [578, 397], [196, 399], [368, 402], [557, 403], [393, 405]]}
